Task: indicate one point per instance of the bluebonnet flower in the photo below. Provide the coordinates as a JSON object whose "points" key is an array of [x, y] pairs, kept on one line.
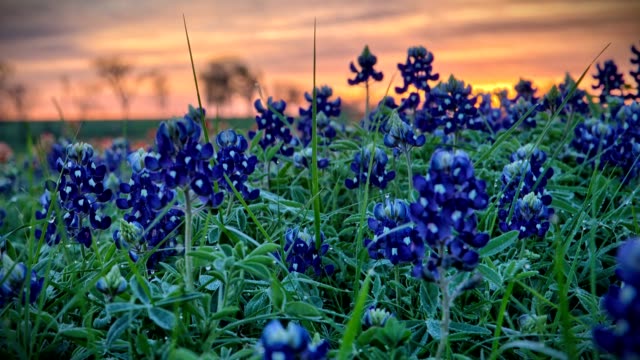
{"points": [[112, 284], [391, 241], [292, 343], [444, 213], [525, 177], [360, 166], [58, 151], [81, 193], [592, 137], [417, 70], [302, 159], [452, 105], [525, 90], [622, 304], [275, 124], [530, 216], [375, 317], [380, 114], [635, 75], [609, 80], [627, 146], [302, 254], [326, 111], [400, 135], [116, 155], [552, 100], [183, 161], [366, 60], [232, 161], [488, 117], [14, 279], [519, 109], [146, 198], [9, 178], [577, 103]]}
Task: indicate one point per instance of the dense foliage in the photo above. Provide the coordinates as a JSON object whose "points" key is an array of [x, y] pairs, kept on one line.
{"points": [[448, 223]]}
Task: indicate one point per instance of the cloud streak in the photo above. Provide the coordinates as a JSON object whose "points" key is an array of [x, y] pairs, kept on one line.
{"points": [[483, 42]]}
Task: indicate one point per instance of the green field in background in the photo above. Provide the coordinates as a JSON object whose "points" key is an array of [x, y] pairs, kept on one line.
{"points": [[15, 133]]}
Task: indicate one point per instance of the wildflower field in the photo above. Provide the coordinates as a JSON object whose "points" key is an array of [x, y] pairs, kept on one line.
{"points": [[442, 224]]}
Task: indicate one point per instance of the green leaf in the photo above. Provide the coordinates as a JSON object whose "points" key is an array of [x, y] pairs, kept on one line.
{"points": [[119, 307], [179, 299], [118, 327], [353, 326], [241, 219], [140, 288], [163, 318], [500, 243], [225, 312], [462, 328], [214, 235], [301, 309], [142, 345], [277, 293], [490, 275], [534, 346], [80, 335], [183, 354], [266, 248]]}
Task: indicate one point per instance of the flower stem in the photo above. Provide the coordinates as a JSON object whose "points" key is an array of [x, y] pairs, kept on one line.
{"points": [[446, 316], [407, 152], [188, 228]]}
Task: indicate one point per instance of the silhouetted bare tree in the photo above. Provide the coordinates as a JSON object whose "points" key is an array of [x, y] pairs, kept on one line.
{"points": [[159, 86], [226, 78], [5, 74], [289, 92], [17, 94], [82, 96], [117, 72]]}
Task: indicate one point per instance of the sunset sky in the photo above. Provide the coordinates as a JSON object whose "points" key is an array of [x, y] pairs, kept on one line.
{"points": [[487, 43]]}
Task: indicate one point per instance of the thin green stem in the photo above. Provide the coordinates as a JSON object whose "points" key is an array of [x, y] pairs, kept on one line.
{"points": [[315, 188], [188, 228], [407, 153], [446, 314]]}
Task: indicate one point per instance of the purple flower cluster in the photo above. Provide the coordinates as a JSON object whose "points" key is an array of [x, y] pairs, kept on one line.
{"points": [[375, 317], [609, 80], [451, 106], [622, 304], [232, 162], [525, 90], [327, 110], [394, 238], [380, 177], [116, 155], [291, 343], [615, 140], [181, 160], [275, 124], [14, 279], [146, 226], [81, 193], [444, 214], [635, 75], [367, 61], [400, 135], [576, 103], [302, 254], [417, 70], [524, 205]]}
